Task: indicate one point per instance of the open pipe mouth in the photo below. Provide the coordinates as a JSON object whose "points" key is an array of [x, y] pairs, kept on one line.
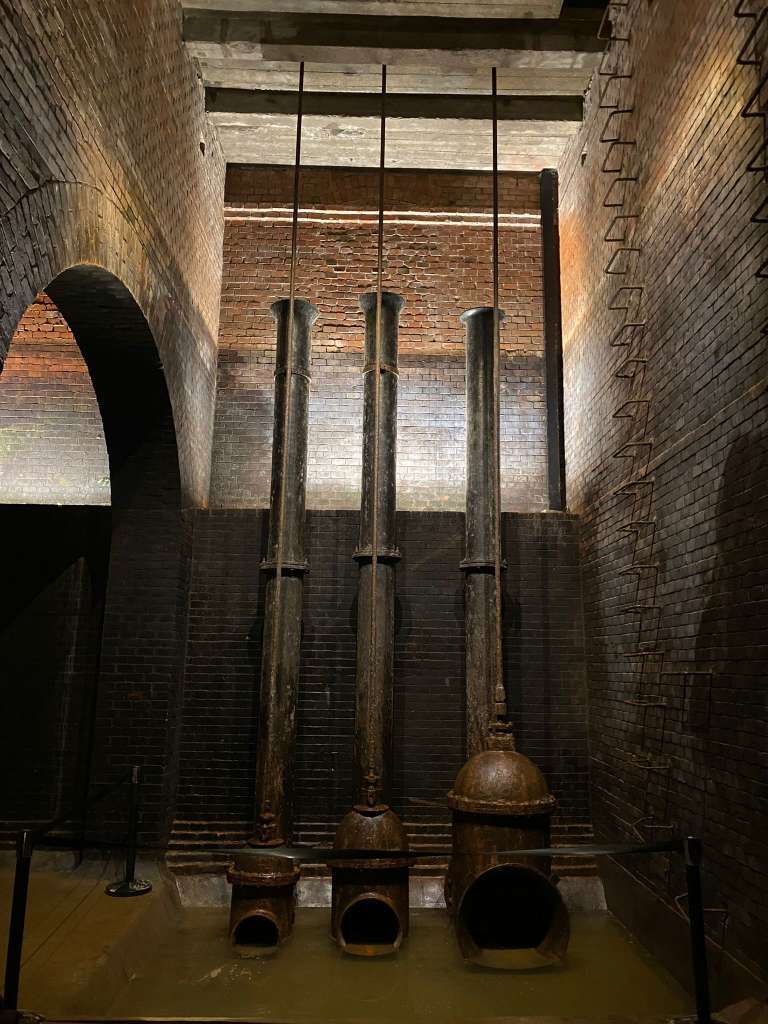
{"points": [[512, 917], [370, 927], [256, 935]]}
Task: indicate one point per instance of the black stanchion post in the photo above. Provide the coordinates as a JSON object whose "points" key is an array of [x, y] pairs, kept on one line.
{"points": [[693, 855], [131, 885], [18, 915]]}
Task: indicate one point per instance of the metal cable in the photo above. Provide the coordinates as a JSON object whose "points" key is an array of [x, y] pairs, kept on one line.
{"points": [[279, 559], [500, 700]]}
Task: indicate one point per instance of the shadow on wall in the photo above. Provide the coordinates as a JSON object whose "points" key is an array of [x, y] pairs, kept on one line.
{"points": [[53, 634], [727, 704]]}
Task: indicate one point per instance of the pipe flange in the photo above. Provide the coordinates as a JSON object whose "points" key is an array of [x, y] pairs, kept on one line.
{"points": [[288, 568], [512, 808], [389, 555], [480, 565], [262, 871]]}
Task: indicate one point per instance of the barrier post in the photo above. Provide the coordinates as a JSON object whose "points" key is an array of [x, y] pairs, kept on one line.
{"points": [[24, 846], [693, 856], [131, 885]]}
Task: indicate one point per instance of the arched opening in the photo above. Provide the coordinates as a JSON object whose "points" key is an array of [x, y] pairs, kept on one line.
{"points": [[90, 501], [370, 922], [257, 933], [509, 907]]}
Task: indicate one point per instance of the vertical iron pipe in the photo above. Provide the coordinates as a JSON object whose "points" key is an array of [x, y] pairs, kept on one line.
{"points": [[18, 917], [553, 338], [480, 553], [285, 565], [369, 911], [375, 647], [693, 855]]}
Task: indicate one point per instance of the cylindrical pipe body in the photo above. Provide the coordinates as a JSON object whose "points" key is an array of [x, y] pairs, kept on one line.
{"points": [[283, 601], [506, 911], [263, 903], [370, 897], [369, 902], [376, 611], [480, 526]]}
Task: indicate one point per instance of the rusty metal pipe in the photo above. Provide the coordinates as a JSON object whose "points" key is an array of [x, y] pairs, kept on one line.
{"points": [[282, 618], [263, 903], [370, 898], [479, 527], [506, 911]]}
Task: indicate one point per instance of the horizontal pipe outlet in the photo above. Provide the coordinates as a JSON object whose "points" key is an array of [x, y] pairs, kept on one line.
{"points": [[511, 916], [370, 926], [256, 934], [263, 904]]}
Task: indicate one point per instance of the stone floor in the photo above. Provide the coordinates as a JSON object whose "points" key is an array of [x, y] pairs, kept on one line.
{"points": [[87, 955]]}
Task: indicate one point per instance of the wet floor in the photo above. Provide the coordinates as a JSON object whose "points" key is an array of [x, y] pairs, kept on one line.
{"points": [[187, 969]]}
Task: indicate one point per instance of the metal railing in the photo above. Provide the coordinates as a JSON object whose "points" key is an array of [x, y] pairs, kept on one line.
{"points": [[26, 840]]}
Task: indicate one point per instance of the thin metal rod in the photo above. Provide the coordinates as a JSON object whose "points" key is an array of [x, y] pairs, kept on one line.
{"points": [[276, 621], [24, 847], [377, 386], [500, 693], [693, 855]]}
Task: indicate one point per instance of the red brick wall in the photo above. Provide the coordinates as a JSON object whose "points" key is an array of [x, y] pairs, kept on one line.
{"points": [[52, 448], [675, 562], [103, 127], [441, 267]]}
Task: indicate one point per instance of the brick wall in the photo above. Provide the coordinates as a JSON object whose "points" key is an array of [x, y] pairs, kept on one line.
{"points": [[441, 266], [543, 651], [674, 530], [52, 448], [102, 116]]}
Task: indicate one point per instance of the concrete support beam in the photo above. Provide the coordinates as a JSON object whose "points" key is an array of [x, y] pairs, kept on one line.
{"points": [[459, 43], [444, 143], [510, 108], [399, 8], [257, 74]]}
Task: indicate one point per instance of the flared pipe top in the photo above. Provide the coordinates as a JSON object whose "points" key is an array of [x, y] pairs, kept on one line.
{"points": [[289, 437], [391, 305], [481, 431], [304, 315]]}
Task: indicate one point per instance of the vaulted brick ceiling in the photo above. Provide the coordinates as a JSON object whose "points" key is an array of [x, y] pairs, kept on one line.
{"points": [[439, 55]]}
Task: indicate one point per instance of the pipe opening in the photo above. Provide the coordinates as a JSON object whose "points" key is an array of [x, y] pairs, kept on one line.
{"points": [[509, 907], [370, 922], [256, 932]]}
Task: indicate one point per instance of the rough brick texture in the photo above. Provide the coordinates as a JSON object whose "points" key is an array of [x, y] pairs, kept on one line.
{"points": [[441, 267], [102, 117], [543, 651], [675, 561], [52, 448]]}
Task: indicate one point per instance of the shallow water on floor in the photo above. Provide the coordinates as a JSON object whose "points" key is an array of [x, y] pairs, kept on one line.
{"points": [[190, 970]]}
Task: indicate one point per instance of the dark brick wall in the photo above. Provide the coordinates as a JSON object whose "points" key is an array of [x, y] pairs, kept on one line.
{"points": [[102, 116], [543, 650], [675, 562], [437, 255], [51, 602]]}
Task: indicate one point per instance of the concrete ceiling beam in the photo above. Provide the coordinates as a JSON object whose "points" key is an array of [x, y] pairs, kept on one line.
{"points": [[449, 144], [569, 42], [509, 108], [398, 8], [250, 73]]}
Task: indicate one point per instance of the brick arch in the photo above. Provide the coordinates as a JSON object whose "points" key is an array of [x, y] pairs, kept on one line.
{"points": [[93, 662], [61, 226]]}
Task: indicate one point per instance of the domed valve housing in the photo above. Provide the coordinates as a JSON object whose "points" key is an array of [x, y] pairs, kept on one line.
{"points": [[263, 903], [506, 909], [369, 903]]}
